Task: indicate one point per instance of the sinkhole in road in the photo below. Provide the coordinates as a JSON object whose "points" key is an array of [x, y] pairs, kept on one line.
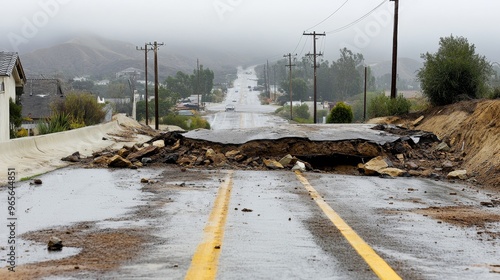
{"points": [[333, 161]]}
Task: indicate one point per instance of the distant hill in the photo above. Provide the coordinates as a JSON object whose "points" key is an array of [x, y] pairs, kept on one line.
{"points": [[102, 58], [407, 68]]}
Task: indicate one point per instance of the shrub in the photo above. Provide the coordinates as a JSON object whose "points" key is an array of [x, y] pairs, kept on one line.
{"points": [[23, 132], [496, 93], [301, 111], [56, 123], [455, 71], [382, 105], [378, 106], [341, 113], [81, 108], [185, 122], [398, 106]]}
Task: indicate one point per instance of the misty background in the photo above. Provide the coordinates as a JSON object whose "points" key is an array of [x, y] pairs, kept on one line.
{"points": [[228, 33]]}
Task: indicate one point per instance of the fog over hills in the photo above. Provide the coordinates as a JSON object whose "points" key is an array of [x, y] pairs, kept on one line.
{"points": [[102, 58]]}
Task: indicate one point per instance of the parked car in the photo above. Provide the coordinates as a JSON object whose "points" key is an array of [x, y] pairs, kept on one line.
{"points": [[230, 107]]}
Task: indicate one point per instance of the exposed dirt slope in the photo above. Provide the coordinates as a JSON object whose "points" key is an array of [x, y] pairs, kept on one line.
{"points": [[472, 130]]}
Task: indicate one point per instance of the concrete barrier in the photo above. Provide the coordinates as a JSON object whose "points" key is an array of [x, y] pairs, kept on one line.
{"points": [[39, 154]]}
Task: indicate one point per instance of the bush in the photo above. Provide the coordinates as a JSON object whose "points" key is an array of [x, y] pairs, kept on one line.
{"points": [[301, 111], [82, 109], [496, 93], [56, 123], [398, 106], [382, 106], [23, 132], [185, 122], [455, 72], [341, 113], [377, 107]]}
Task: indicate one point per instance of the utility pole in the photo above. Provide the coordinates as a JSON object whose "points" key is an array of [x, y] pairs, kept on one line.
{"points": [[155, 49], [265, 78], [146, 50], [274, 72], [395, 50], [289, 55], [314, 34], [269, 80], [198, 81], [364, 101]]}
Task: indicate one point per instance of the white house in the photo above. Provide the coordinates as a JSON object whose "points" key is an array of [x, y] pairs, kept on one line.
{"points": [[12, 81]]}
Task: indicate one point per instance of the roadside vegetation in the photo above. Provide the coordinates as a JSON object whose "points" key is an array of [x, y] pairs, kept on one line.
{"points": [[76, 110], [454, 73], [340, 113]]}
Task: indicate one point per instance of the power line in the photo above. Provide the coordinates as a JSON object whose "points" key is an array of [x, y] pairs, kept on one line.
{"points": [[328, 16], [358, 20]]}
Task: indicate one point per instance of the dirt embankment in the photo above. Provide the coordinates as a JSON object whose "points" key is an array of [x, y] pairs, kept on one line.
{"points": [[472, 130]]}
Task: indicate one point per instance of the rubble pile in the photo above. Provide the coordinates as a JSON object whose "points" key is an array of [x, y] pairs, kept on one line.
{"points": [[415, 153]]}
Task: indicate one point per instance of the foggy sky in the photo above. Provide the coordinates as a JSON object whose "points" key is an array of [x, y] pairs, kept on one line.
{"points": [[258, 28]]}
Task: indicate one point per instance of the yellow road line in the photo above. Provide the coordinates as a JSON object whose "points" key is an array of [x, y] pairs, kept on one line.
{"points": [[377, 264], [206, 258]]}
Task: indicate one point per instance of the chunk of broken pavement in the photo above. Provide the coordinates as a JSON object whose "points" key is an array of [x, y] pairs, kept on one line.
{"points": [[458, 174], [159, 143], [299, 166], [144, 152], [118, 161], [232, 154], [393, 172], [272, 164], [443, 147], [375, 165], [288, 160], [55, 244], [75, 157]]}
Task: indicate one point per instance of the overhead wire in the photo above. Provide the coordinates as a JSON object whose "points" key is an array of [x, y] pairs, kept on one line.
{"points": [[338, 9], [358, 20]]}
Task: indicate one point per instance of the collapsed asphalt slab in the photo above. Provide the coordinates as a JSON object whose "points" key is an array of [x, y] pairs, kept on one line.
{"points": [[328, 132], [383, 150]]}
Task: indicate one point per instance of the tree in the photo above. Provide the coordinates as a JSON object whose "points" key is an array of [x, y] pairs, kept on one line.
{"points": [[341, 113], [455, 71], [347, 70], [300, 89], [15, 117]]}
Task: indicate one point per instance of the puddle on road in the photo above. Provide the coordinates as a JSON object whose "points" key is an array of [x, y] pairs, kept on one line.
{"points": [[69, 196]]}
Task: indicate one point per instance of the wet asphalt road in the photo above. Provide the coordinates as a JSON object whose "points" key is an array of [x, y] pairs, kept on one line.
{"points": [[285, 232]]}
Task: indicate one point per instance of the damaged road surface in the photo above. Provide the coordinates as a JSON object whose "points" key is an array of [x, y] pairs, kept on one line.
{"points": [[258, 199]]}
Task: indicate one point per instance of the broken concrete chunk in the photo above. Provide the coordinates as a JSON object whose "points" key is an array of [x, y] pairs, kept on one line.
{"points": [[375, 165], [144, 152], [232, 154], [55, 244], [272, 164], [159, 143], [443, 147], [458, 174], [288, 160], [393, 172], [75, 157], [299, 166], [118, 161], [417, 121]]}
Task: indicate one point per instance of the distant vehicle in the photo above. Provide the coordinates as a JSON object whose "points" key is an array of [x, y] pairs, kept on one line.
{"points": [[185, 113], [234, 100], [229, 107]]}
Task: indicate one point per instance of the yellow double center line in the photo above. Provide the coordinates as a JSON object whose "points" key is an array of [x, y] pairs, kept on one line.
{"points": [[377, 264], [205, 260]]}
